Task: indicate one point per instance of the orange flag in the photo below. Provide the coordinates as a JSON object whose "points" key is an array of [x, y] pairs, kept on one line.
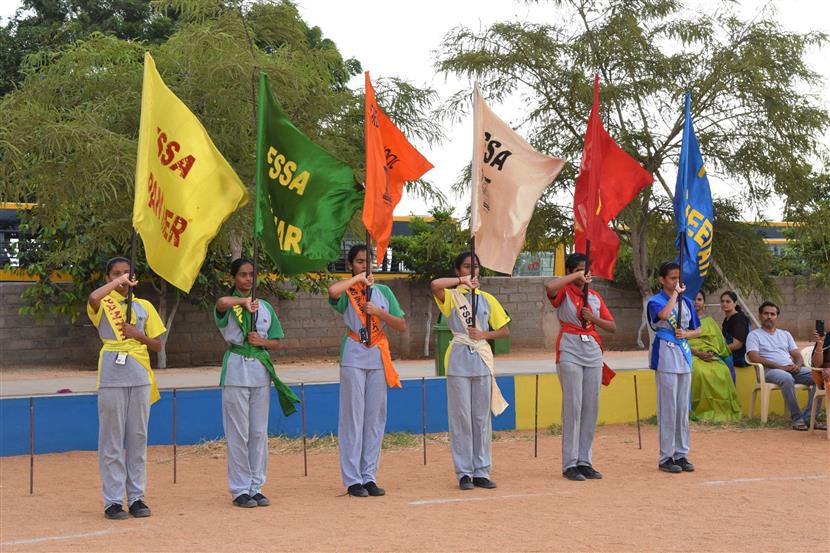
{"points": [[390, 161]]}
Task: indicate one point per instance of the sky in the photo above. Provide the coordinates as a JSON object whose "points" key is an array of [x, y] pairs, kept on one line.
{"points": [[396, 38]]}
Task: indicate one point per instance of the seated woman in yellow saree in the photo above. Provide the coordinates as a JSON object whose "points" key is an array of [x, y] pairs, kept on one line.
{"points": [[714, 397]]}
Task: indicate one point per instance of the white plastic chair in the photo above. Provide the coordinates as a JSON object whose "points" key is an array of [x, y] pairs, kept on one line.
{"points": [[764, 388], [807, 354]]}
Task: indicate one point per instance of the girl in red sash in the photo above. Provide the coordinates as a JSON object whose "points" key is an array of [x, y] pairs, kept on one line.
{"points": [[365, 371], [579, 363]]}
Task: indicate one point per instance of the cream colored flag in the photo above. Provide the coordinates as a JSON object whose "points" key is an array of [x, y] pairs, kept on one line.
{"points": [[509, 177]]}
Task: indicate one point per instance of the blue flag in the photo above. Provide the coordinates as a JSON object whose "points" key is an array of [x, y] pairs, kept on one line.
{"points": [[693, 210]]}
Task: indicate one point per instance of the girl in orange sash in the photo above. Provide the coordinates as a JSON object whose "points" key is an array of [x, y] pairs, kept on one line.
{"points": [[365, 370], [579, 363], [126, 388]]}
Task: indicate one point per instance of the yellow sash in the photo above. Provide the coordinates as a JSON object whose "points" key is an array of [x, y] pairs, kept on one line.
{"points": [[497, 402], [138, 351]]}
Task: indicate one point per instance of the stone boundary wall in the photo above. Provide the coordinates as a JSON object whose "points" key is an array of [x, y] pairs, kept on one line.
{"points": [[313, 328]]}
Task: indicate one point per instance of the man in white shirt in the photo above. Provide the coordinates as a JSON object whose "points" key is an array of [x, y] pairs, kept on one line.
{"points": [[776, 350]]}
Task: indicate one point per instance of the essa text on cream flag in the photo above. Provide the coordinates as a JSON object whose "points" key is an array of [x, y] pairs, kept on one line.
{"points": [[509, 177], [184, 188]]}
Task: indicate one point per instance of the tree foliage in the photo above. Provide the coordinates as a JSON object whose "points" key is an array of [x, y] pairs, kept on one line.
{"points": [[68, 133], [754, 102], [431, 248]]}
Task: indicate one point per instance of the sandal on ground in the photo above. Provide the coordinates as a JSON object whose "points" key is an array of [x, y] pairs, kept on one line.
{"points": [[820, 426], [801, 426]]}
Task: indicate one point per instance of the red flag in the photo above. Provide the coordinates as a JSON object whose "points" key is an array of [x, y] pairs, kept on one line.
{"points": [[608, 180], [390, 161]]}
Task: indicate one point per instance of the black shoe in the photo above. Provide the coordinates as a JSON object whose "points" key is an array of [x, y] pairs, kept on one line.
{"points": [[261, 500], [116, 512], [466, 483], [373, 489], [684, 464], [589, 472], [669, 466], [356, 490], [481, 482], [572, 473], [139, 509], [244, 500]]}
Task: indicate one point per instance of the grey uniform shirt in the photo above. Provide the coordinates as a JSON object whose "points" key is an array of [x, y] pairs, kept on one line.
{"points": [[353, 353], [574, 348], [247, 371]]}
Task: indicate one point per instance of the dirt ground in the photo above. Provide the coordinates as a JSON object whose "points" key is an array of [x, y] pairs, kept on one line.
{"points": [[753, 490]]}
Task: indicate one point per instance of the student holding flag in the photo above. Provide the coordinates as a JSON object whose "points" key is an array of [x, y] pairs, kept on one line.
{"points": [[671, 357], [670, 312], [365, 370], [472, 391], [579, 363], [250, 327], [126, 387]]}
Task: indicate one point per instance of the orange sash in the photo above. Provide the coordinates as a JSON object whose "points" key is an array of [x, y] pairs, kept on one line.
{"points": [[377, 337]]}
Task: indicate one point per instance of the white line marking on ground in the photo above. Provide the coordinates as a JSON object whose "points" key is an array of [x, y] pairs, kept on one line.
{"points": [[767, 479], [491, 498], [64, 537]]}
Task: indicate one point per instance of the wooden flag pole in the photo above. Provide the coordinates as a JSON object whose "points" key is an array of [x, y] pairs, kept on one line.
{"points": [[473, 267], [305, 449], [132, 276], [679, 324], [175, 451], [536, 421], [424, 415], [31, 446], [368, 288], [585, 288]]}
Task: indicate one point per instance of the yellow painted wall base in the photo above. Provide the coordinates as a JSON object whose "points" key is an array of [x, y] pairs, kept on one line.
{"points": [[616, 402]]}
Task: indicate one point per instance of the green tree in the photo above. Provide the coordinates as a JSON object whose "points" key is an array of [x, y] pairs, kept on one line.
{"points": [[757, 128], [809, 250], [68, 133]]}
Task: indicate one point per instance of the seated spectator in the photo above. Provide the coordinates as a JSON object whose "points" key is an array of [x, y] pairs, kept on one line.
{"points": [[736, 327], [714, 397], [775, 349]]}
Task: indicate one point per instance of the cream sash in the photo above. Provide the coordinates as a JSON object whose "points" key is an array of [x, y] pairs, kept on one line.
{"points": [[462, 306]]}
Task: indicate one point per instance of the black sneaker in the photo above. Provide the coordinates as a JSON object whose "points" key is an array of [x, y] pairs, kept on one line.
{"points": [[572, 473], [373, 489], [466, 483], [115, 512], [481, 482], [356, 490], [244, 500], [139, 509], [669, 466], [589, 472], [261, 500], [684, 464]]}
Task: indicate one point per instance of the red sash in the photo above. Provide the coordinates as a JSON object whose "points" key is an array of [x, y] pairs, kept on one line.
{"points": [[576, 297]]}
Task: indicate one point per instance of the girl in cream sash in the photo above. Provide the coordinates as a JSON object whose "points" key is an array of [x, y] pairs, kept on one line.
{"points": [[472, 391]]}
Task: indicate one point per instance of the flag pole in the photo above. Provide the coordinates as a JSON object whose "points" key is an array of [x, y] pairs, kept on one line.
{"points": [[473, 267], [682, 212], [585, 288], [368, 288], [474, 176], [132, 276]]}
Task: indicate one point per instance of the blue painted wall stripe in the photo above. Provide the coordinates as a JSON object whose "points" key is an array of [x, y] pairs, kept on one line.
{"points": [[66, 423]]}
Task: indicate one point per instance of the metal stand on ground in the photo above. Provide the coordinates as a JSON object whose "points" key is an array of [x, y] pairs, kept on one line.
{"points": [[175, 456], [424, 415], [31, 446], [302, 410], [536, 421], [637, 408]]}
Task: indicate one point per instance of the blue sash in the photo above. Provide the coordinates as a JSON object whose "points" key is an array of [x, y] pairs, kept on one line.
{"points": [[660, 300]]}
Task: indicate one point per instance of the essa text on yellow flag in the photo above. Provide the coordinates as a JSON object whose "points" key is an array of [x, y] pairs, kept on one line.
{"points": [[184, 188]]}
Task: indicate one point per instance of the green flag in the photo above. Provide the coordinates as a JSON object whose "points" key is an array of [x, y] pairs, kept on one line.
{"points": [[305, 196]]}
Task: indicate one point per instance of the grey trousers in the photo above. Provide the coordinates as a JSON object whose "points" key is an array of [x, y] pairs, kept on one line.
{"points": [[361, 423], [245, 418], [787, 381], [123, 414], [471, 432], [580, 404], [673, 396]]}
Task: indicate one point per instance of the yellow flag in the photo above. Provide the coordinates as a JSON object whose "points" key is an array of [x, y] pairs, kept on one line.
{"points": [[184, 188]]}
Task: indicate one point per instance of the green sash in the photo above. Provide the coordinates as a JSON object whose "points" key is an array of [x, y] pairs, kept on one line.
{"points": [[243, 318]]}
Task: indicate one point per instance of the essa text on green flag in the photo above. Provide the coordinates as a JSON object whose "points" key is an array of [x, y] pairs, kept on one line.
{"points": [[305, 196]]}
